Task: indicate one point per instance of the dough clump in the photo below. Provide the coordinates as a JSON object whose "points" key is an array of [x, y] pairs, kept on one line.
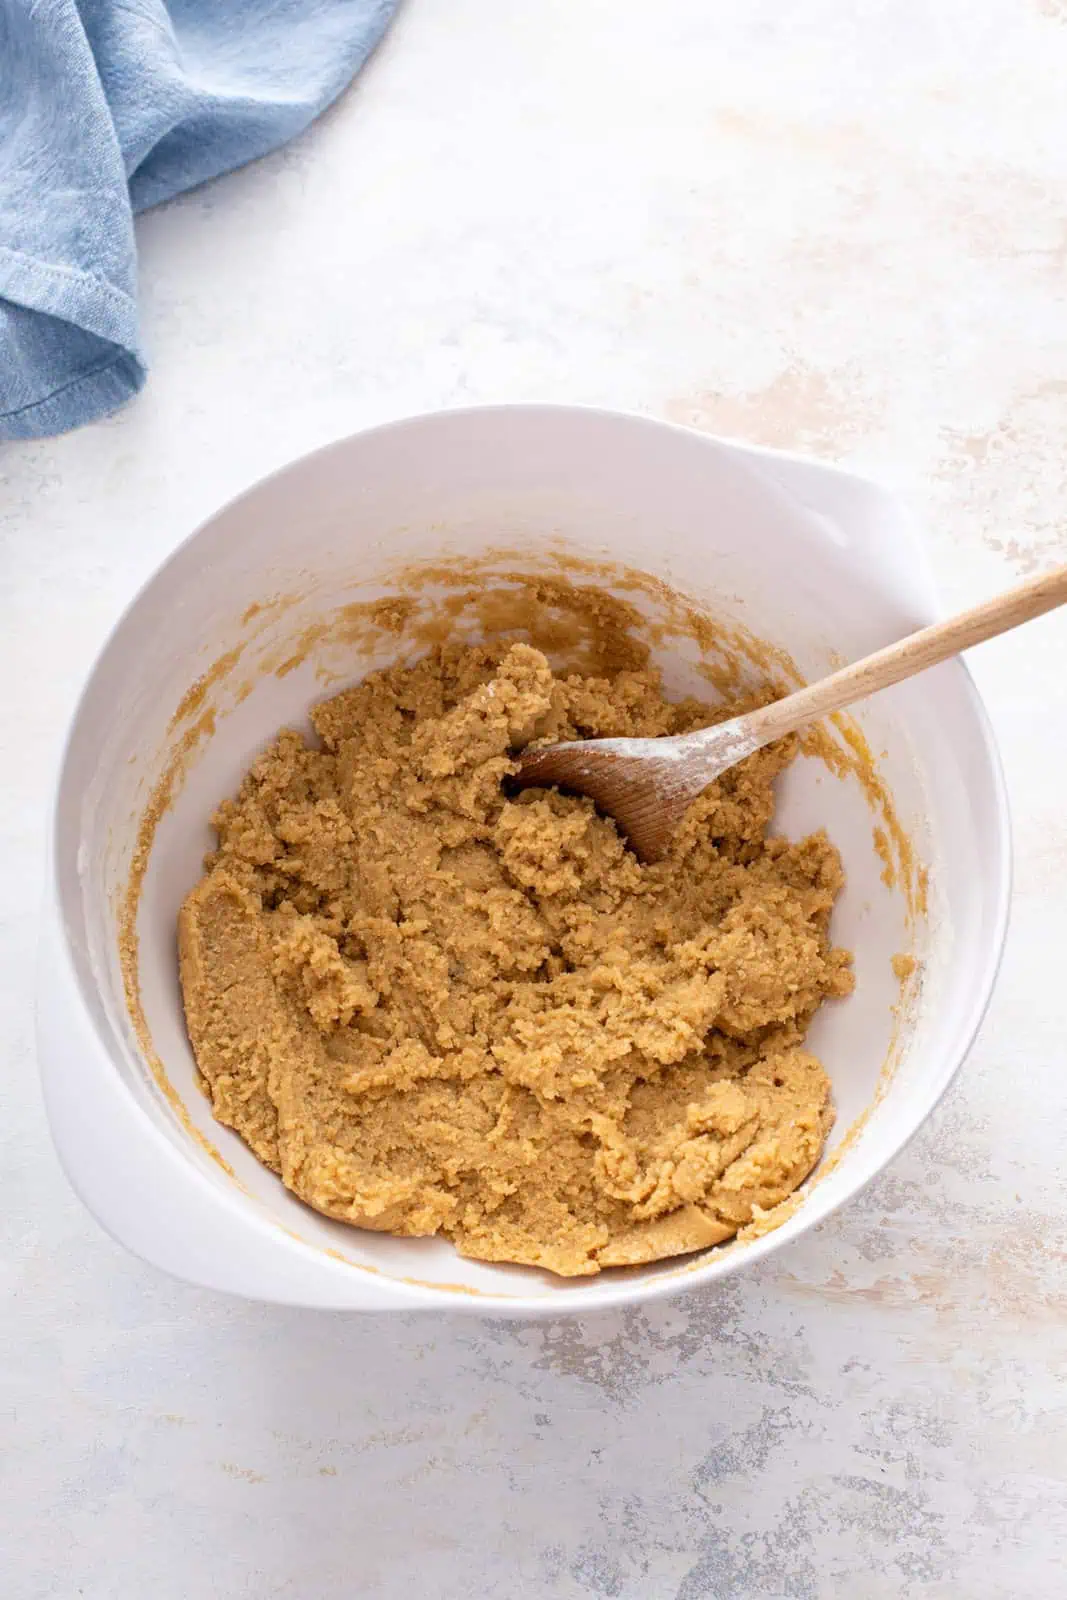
{"points": [[434, 1008]]}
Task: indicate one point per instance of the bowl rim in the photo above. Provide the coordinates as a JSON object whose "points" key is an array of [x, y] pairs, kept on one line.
{"points": [[585, 1295]]}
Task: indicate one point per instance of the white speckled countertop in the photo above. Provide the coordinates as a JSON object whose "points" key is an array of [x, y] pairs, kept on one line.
{"points": [[841, 228]]}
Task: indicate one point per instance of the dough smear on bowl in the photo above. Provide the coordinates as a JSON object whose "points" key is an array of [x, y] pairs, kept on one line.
{"points": [[434, 1008]]}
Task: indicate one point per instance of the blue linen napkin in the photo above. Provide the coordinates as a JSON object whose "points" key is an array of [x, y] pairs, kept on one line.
{"points": [[110, 106]]}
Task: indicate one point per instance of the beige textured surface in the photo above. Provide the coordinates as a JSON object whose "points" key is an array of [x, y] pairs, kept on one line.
{"points": [[435, 1008], [841, 227]]}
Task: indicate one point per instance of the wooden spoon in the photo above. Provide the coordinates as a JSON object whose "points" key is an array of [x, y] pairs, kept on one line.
{"points": [[647, 785]]}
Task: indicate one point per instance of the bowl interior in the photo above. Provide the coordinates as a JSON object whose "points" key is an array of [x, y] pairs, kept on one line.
{"points": [[259, 608]]}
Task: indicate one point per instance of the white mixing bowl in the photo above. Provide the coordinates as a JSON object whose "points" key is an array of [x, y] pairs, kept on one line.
{"points": [[821, 563]]}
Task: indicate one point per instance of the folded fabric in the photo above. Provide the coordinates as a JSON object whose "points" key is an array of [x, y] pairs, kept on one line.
{"points": [[110, 106]]}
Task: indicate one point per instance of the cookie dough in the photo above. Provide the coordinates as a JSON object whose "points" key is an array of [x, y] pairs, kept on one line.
{"points": [[434, 1008]]}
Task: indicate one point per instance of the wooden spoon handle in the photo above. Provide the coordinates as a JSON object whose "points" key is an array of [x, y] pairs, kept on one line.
{"points": [[909, 655]]}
